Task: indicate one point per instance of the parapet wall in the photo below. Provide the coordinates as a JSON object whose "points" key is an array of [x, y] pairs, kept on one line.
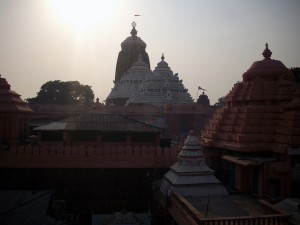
{"points": [[83, 156]]}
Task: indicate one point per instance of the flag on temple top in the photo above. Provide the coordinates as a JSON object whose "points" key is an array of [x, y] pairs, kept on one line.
{"points": [[200, 88], [137, 15]]}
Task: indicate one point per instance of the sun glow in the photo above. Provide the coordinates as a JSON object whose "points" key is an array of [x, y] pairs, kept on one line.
{"points": [[82, 15]]}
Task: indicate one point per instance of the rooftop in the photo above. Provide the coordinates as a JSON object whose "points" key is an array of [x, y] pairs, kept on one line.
{"points": [[99, 122]]}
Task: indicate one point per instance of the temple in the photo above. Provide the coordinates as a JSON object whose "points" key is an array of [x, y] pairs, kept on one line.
{"points": [[253, 141], [129, 83], [191, 194], [163, 87], [137, 153], [132, 47], [136, 84], [190, 176]]}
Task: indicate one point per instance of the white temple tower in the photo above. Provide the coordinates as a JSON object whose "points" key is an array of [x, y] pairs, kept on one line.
{"points": [[190, 176]]}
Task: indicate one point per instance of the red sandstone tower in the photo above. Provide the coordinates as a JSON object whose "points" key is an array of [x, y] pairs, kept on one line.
{"points": [[14, 116], [253, 141]]}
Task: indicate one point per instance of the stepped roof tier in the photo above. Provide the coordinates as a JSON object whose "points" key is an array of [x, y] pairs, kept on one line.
{"points": [[132, 47], [190, 176], [261, 113], [10, 101], [129, 83], [163, 87]]}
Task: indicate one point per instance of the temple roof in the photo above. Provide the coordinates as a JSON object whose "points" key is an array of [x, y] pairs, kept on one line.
{"points": [[261, 113], [162, 87], [264, 67], [10, 101], [130, 81], [99, 122], [133, 40], [267, 62], [191, 176]]}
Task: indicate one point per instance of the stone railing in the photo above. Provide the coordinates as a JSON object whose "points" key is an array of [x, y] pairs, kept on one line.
{"points": [[84, 156]]}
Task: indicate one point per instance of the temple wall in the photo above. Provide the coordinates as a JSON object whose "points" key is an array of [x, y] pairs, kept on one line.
{"points": [[84, 156]]}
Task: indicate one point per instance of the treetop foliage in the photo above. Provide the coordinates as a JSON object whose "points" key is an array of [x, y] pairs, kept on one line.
{"points": [[296, 72], [63, 93]]}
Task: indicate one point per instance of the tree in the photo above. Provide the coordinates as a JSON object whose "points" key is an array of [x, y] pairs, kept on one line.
{"points": [[63, 93], [296, 72], [220, 102]]}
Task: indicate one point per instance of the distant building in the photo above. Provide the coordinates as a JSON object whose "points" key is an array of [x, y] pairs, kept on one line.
{"points": [[253, 142], [14, 117], [136, 84], [203, 100]]}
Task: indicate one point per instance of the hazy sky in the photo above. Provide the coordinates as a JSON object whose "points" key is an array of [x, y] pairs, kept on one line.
{"points": [[208, 43]]}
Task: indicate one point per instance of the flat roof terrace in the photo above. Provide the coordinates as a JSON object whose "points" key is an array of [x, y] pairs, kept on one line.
{"points": [[224, 210]]}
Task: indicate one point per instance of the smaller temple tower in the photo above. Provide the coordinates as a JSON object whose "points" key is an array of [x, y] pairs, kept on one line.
{"points": [[129, 83], [203, 100], [190, 176], [14, 117]]}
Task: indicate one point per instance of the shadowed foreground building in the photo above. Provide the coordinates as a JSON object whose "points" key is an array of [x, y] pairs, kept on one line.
{"points": [[253, 141], [191, 194], [93, 163]]}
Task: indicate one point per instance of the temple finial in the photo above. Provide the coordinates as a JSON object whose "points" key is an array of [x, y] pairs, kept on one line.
{"points": [[163, 57], [133, 31], [267, 53], [133, 24]]}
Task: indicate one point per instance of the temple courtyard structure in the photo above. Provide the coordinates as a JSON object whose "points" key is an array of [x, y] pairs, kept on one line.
{"points": [[135, 153]]}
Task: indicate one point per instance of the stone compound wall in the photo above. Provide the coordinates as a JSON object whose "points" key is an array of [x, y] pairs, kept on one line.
{"points": [[83, 156]]}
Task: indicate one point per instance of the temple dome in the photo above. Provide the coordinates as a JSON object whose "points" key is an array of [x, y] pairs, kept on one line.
{"points": [[133, 40], [10, 101], [267, 64], [264, 68]]}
